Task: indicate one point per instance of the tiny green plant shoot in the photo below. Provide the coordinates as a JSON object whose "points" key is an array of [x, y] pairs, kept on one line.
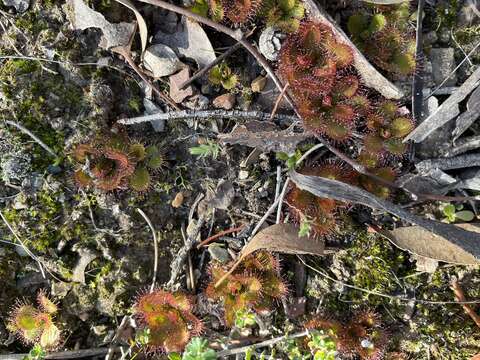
{"points": [[209, 149], [454, 213], [223, 75], [35, 325]]}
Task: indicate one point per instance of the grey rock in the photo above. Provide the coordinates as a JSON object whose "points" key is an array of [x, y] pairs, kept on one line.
{"points": [[225, 101], [444, 35], [430, 38], [20, 5], [189, 40], [270, 42], [15, 167], [33, 183], [219, 253], [443, 64], [161, 60]]}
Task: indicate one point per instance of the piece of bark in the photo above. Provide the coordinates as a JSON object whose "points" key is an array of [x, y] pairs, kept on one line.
{"points": [[370, 76], [264, 136], [465, 120], [443, 113], [423, 243], [457, 162], [332, 189], [462, 146]]}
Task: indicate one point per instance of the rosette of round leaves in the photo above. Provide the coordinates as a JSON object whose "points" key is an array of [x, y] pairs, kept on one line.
{"points": [[387, 128], [335, 114], [386, 37], [283, 14], [237, 12], [35, 325], [114, 162], [362, 337], [320, 212], [255, 284], [223, 75], [169, 318], [310, 59]]}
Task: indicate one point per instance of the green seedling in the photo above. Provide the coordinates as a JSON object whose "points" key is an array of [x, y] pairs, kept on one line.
{"points": [[209, 149], [454, 213], [223, 75]]}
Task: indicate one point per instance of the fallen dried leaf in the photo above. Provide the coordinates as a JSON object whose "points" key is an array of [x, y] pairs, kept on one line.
{"points": [[264, 136], [176, 80], [281, 238], [419, 241], [456, 237]]}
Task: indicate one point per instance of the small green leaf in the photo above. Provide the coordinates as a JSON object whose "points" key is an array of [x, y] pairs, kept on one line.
{"points": [[465, 215], [449, 209]]}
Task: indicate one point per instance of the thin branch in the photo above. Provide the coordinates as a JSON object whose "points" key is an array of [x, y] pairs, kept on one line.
{"points": [[155, 246], [393, 297], [235, 34], [128, 58], [460, 296], [33, 136], [191, 277], [205, 114], [453, 71], [417, 84], [205, 69], [277, 102], [270, 342], [32, 255], [220, 234]]}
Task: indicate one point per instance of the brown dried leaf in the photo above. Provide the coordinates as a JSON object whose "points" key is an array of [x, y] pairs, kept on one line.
{"points": [[264, 136], [420, 241], [281, 238]]}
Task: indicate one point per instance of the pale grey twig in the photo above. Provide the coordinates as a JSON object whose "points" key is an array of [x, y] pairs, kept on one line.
{"points": [[155, 247], [33, 136], [265, 343], [205, 114], [32, 255]]}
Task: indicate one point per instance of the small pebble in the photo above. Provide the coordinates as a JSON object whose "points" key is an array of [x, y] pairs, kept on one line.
{"points": [[243, 174], [219, 253], [258, 84], [225, 101], [178, 201]]}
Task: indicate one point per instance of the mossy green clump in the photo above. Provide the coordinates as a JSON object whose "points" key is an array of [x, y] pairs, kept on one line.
{"points": [[40, 221], [283, 14], [34, 98], [444, 330]]}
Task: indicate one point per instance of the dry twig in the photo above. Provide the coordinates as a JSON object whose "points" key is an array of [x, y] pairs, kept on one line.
{"points": [[155, 247], [460, 296]]}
